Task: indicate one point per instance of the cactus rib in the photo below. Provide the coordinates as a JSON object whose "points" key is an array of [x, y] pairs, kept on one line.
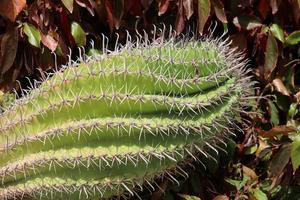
{"points": [[105, 126]]}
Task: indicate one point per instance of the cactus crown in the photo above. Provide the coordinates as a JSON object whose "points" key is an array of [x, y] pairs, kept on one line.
{"points": [[104, 126]]}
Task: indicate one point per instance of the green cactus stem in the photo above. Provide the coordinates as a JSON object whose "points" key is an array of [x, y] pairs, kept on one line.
{"points": [[106, 126]]}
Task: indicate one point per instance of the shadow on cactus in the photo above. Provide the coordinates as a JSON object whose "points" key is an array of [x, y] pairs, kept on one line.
{"points": [[105, 126]]}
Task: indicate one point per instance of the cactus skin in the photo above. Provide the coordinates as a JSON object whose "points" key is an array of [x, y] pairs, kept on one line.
{"points": [[104, 127]]}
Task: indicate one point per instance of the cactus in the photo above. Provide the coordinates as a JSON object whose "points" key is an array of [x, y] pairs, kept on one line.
{"points": [[106, 126]]}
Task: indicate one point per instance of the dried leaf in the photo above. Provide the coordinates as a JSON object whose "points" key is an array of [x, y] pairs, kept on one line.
{"points": [[78, 34], [279, 86], [219, 10], [8, 50], [271, 55], [188, 6], [33, 34], [247, 22], [203, 14], [293, 38], [69, 4], [277, 32], [49, 42], [163, 6], [11, 8], [278, 130]]}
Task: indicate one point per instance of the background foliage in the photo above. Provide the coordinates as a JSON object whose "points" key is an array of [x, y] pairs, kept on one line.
{"points": [[37, 35]]}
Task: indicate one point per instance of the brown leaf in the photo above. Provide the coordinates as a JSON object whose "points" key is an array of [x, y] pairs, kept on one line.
{"points": [[8, 49], [203, 14], [180, 22], [249, 172], [11, 8], [219, 10], [163, 6], [239, 40], [279, 86], [188, 6], [221, 197], [49, 42], [277, 130]]}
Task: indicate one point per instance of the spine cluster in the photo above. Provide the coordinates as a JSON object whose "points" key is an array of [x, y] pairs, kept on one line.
{"points": [[108, 126]]}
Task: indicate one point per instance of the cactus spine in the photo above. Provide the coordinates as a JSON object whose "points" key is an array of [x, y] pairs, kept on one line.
{"points": [[103, 127]]}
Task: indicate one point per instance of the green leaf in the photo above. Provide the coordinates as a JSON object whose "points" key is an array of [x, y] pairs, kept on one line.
{"points": [[188, 197], [239, 184], [271, 55], [78, 34], [295, 154], [203, 13], [274, 113], [280, 160], [33, 34], [293, 38], [258, 194], [68, 4], [277, 32]]}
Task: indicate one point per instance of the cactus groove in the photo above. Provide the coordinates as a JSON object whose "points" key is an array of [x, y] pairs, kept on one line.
{"points": [[107, 126]]}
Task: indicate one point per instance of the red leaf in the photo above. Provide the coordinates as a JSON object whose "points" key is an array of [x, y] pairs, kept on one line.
{"points": [[146, 3], [163, 6], [109, 11], [118, 12], [49, 42], [203, 14], [188, 6], [65, 25], [135, 8], [179, 23], [11, 8], [274, 6], [88, 5], [263, 8], [219, 10], [8, 50]]}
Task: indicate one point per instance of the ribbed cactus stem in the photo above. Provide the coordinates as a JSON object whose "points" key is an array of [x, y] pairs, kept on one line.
{"points": [[106, 126]]}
